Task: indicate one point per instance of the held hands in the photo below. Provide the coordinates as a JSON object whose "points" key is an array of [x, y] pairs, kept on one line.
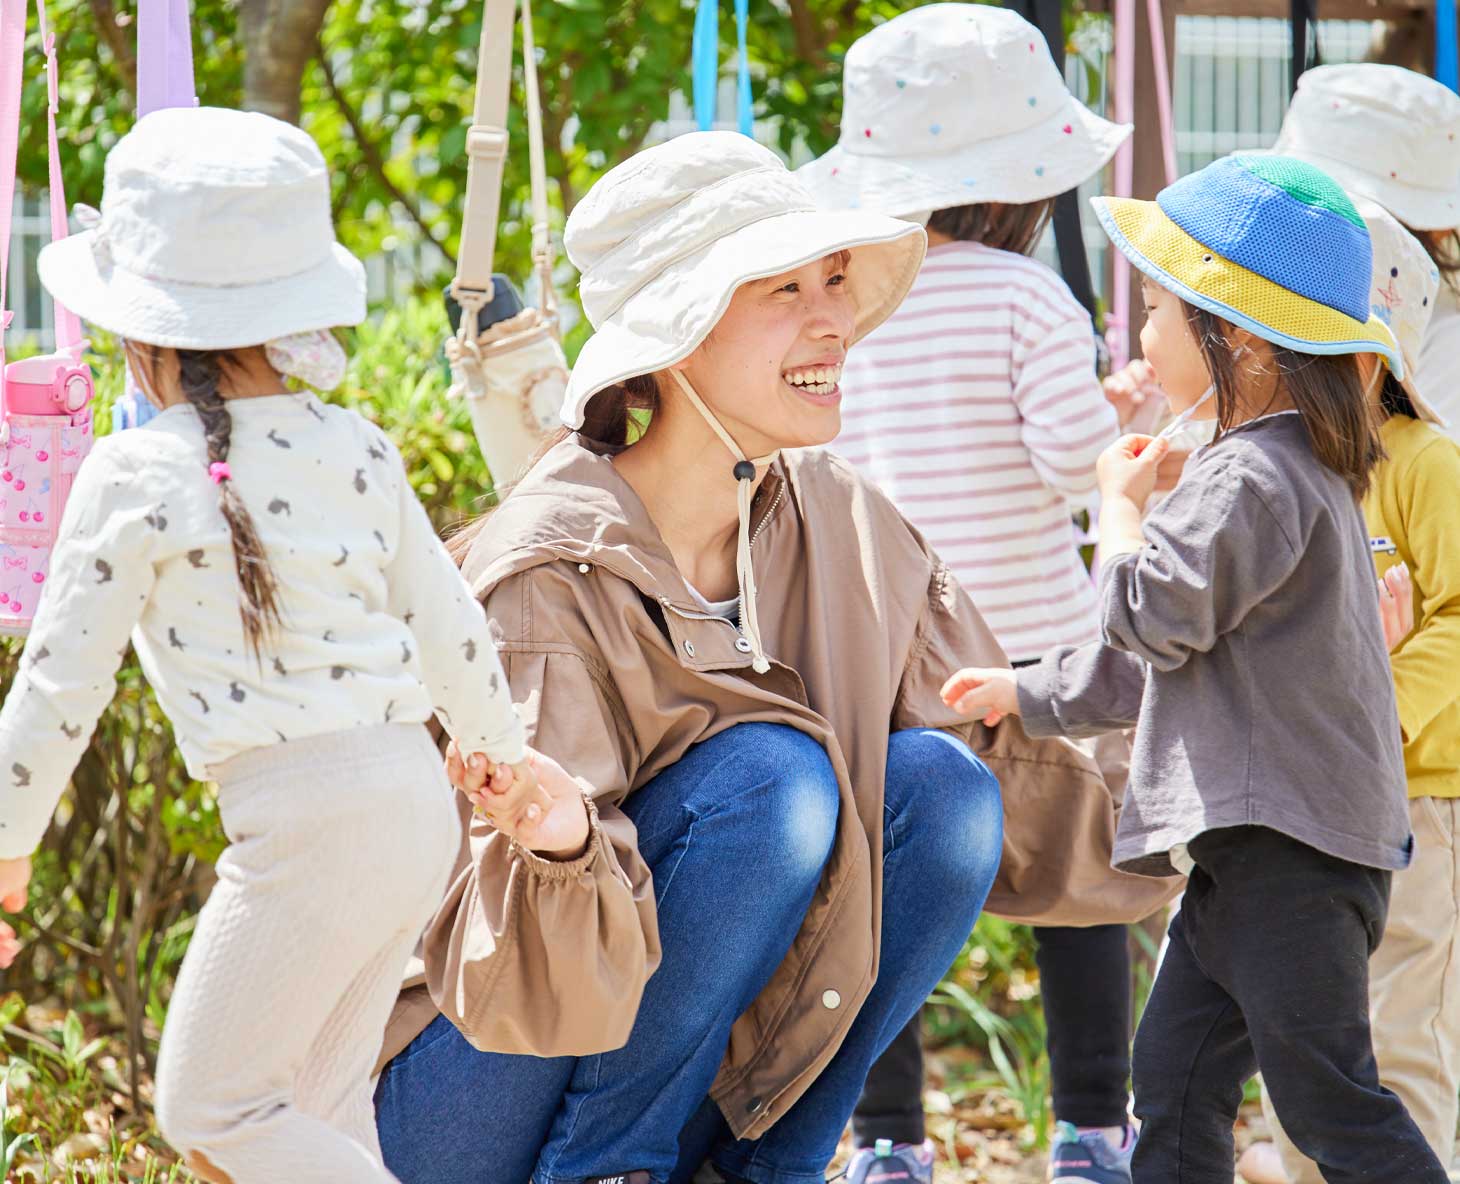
{"points": [[14, 880], [535, 802], [1129, 468], [1396, 605], [989, 694]]}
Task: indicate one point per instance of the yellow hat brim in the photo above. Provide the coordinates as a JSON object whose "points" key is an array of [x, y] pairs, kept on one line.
{"points": [[1143, 232]]}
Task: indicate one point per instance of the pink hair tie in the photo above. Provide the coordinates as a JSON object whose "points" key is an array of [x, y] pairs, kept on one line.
{"points": [[220, 472]]}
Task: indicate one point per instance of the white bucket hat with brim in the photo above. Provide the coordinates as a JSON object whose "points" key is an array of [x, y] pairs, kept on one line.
{"points": [[664, 240], [215, 233], [1402, 293], [1382, 132], [952, 105]]}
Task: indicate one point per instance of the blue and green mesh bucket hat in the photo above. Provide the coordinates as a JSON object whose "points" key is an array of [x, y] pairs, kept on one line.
{"points": [[1266, 242]]}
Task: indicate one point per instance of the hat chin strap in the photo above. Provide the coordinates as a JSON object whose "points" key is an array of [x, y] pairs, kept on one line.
{"points": [[744, 481]]}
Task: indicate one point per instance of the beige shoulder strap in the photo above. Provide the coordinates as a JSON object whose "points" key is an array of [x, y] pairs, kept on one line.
{"points": [[486, 146]]}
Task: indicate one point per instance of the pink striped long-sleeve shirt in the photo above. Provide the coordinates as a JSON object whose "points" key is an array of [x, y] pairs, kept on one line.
{"points": [[976, 408]]}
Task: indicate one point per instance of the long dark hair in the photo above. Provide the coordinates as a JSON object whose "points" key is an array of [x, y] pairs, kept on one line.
{"points": [[1329, 390], [1016, 228], [200, 372], [614, 419]]}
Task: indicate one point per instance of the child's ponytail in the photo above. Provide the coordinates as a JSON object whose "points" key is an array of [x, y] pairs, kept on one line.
{"points": [[199, 374]]}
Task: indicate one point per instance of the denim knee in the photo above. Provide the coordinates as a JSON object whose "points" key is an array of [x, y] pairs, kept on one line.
{"points": [[791, 797], [943, 802]]}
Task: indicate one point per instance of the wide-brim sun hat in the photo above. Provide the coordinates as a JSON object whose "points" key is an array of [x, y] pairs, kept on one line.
{"points": [[1383, 132], [663, 240], [957, 104], [1270, 244], [215, 233], [1402, 294]]}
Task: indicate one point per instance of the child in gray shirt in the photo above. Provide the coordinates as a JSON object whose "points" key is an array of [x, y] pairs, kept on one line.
{"points": [[1241, 634]]}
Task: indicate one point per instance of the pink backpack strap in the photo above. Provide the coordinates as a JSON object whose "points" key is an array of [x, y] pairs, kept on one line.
{"points": [[12, 74], [164, 56]]}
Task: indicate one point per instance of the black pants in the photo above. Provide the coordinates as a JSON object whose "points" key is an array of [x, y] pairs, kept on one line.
{"points": [[1268, 969], [1084, 979]]}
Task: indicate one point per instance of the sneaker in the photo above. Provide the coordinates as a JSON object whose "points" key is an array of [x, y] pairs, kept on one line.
{"points": [[1088, 1158], [884, 1163]]}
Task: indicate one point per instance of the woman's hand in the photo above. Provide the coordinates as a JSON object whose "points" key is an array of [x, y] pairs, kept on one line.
{"points": [[1396, 605], [558, 831], [14, 880], [991, 693], [1129, 468]]}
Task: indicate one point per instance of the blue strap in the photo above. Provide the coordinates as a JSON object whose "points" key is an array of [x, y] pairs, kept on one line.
{"points": [[1447, 54], [706, 65], [742, 77], [706, 62]]}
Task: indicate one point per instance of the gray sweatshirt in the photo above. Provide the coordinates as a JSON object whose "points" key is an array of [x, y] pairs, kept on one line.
{"points": [[1243, 641]]}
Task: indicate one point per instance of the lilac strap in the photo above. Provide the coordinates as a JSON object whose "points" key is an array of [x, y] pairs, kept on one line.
{"points": [[164, 56]]}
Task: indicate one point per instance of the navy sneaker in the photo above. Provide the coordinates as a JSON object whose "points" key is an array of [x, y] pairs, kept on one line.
{"points": [[884, 1163], [1088, 1158]]}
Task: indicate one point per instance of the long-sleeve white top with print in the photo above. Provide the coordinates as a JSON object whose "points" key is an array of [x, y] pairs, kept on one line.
{"points": [[378, 624]]}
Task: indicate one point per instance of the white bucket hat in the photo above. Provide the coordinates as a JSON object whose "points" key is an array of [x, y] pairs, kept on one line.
{"points": [[1402, 293], [664, 240], [952, 105], [1382, 132], [215, 233]]}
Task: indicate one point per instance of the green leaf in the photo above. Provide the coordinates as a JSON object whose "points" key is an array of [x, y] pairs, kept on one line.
{"points": [[10, 1007]]}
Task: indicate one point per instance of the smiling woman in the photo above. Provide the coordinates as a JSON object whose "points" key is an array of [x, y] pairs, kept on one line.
{"points": [[780, 835]]}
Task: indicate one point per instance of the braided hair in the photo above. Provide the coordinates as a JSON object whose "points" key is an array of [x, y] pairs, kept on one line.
{"points": [[199, 375]]}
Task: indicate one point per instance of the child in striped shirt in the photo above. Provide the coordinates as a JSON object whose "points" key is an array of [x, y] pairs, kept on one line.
{"points": [[977, 408]]}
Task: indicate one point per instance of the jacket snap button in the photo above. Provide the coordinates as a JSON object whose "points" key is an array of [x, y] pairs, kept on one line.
{"points": [[689, 648], [831, 1000], [584, 569], [742, 644]]}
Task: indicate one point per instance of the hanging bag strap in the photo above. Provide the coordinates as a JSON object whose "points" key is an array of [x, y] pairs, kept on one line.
{"points": [[486, 151], [68, 325], [705, 65], [164, 56]]}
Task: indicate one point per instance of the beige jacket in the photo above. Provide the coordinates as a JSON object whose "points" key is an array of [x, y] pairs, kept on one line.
{"points": [[618, 672]]}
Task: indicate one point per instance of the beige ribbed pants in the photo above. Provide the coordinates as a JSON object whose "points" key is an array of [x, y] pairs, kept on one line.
{"points": [[340, 850], [1414, 989]]}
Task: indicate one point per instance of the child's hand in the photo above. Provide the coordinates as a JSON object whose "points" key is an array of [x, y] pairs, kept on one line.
{"points": [[14, 879], [1128, 468], [1396, 605], [1129, 388], [988, 693]]}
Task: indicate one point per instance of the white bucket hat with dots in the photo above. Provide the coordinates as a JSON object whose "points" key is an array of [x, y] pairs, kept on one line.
{"points": [[1402, 293], [956, 104], [1382, 132]]}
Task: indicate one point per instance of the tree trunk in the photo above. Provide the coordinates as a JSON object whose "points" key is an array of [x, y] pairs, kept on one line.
{"points": [[279, 38]]}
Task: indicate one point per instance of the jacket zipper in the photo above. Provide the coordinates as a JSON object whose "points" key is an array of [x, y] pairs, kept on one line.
{"points": [[780, 493]]}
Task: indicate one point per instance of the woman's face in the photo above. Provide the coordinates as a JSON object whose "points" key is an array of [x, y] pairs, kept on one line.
{"points": [[771, 369], [1171, 347]]}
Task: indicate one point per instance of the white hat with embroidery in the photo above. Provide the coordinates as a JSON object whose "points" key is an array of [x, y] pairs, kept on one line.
{"points": [[957, 104], [1402, 293], [1382, 132]]}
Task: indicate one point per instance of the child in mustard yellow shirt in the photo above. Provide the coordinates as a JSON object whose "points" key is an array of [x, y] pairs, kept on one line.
{"points": [[1413, 514]]}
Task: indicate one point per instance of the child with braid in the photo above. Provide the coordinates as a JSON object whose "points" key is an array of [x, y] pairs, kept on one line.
{"points": [[299, 620]]}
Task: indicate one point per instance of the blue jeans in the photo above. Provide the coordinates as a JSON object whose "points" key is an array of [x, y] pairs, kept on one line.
{"points": [[737, 833]]}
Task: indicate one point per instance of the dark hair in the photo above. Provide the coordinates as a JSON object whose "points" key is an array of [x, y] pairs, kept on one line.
{"points": [[1394, 399], [199, 374], [614, 418], [1016, 228], [1328, 389], [1443, 248]]}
